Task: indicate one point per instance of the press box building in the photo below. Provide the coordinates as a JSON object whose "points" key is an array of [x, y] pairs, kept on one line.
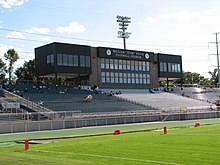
{"points": [[106, 67]]}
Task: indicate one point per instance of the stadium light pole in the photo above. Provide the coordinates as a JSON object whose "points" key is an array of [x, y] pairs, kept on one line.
{"points": [[123, 24]]}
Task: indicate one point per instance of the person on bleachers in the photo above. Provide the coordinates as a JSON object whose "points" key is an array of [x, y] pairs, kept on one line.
{"points": [[41, 103], [22, 95], [151, 91], [25, 90], [111, 94]]}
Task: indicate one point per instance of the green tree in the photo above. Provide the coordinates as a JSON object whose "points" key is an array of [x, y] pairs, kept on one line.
{"points": [[26, 72], [11, 56], [2, 69], [193, 78], [214, 76]]}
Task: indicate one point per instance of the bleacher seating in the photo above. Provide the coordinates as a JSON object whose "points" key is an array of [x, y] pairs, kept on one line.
{"points": [[70, 99]]}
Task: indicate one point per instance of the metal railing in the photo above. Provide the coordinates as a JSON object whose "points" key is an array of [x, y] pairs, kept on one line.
{"points": [[21, 122], [29, 104]]}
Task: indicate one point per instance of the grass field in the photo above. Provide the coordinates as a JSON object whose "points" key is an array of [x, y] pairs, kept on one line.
{"points": [[180, 146]]}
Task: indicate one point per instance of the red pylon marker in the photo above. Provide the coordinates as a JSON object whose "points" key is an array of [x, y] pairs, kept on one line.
{"points": [[196, 125], [26, 144], [165, 130]]}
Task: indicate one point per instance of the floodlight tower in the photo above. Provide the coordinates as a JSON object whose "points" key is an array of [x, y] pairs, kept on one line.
{"points": [[123, 24]]}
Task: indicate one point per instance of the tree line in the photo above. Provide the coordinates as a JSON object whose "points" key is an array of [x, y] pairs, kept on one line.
{"points": [[27, 72]]}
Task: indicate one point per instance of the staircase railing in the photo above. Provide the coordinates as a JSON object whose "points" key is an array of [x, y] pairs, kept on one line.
{"points": [[31, 105]]}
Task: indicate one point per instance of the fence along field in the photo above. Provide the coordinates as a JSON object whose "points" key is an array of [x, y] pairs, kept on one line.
{"points": [[179, 146]]}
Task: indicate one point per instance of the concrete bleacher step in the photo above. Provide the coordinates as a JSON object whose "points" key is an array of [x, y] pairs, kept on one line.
{"points": [[163, 100]]}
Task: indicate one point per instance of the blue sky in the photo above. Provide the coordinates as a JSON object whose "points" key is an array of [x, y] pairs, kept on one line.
{"points": [[182, 27]]}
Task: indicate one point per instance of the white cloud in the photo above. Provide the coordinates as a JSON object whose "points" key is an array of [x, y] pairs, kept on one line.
{"points": [[38, 30], [17, 35], [10, 3], [73, 27]]}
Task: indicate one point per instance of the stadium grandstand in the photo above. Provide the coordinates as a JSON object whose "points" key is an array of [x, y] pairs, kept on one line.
{"points": [[108, 86]]}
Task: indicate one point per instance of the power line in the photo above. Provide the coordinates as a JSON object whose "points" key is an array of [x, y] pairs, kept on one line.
{"points": [[73, 38]]}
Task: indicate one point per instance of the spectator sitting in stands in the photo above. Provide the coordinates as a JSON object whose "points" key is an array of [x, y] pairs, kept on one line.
{"points": [[22, 95], [41, 103], [25, 90], [118, 92], [151, 91], [111, 94], [61, 92]]}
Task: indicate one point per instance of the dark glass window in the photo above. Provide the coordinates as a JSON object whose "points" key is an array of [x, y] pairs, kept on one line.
{"points": [[140, 65], [112, 77], [125, 78], [111, 63], [50, 59], [116, 63], [132, 78], [129, 78], [136, 65], [82, 61], [163, 67], [107, 77], [120, 78], [120, 64], [102, 63], [107, 63], [124, 64], [169, 67], [148, 78], [137, 78], [116, 77], [75, 60], [103, 77], [59, 59], [65, 60], [88, 61], [132, 65], [147, 66], [70, 60], [128, 65]]}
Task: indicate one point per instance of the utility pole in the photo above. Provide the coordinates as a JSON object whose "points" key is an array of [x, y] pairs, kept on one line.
{"points": [[123, 23], [217, 54], [216, 42]]}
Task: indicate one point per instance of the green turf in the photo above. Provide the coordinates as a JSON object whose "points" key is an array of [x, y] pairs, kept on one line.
{"points": [[180, 146], [102, 129]]}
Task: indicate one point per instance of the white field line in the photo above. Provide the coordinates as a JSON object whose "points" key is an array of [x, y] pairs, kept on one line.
{"points": [[109, 157]]}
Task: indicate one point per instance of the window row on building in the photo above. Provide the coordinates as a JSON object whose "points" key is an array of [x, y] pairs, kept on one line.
{"points": [[119, 64], [70, 60], [170, 67], [126, 78]]}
